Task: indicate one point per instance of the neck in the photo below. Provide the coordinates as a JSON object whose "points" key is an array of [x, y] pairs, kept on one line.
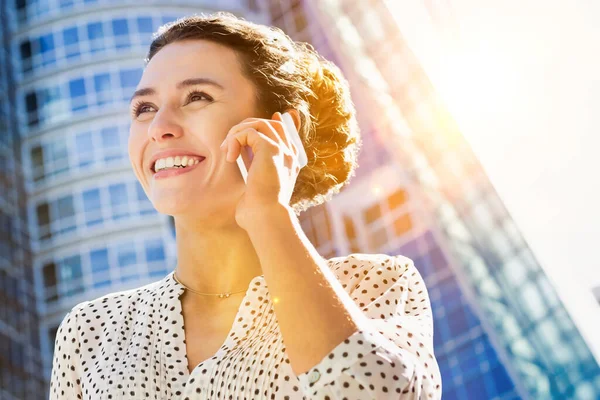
{"points": [[214, 259]]}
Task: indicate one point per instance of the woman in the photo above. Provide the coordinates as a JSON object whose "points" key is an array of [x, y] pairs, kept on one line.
{"points": [[251, 310]]}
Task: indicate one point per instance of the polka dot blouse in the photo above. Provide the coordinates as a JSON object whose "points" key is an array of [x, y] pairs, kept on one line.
{"points": [[131, 344]]}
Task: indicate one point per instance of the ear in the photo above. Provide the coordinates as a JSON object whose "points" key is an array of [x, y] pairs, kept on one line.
{"points": [[295, 116]]}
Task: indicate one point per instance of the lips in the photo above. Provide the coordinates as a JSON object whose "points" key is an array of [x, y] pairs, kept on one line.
{"points": [[170, 153], [169, 172]]}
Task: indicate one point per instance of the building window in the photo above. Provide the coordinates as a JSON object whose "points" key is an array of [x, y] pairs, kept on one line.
{"points": [[66, 214], [25, 50], [113, 151], [118, 201], [102, 87], [155, 257], [77, 94], [49, 271], [37, 163], [47, 49], [95, 33], [121, 33], [92, 207], [71, 275], [100, 267], [71, 42], [43, 221], [84, 148], [31, 106]]}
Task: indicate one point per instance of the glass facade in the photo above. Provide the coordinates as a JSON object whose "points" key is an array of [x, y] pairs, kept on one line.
{"points": [[20, 344], [75, 222], [501, 331]]}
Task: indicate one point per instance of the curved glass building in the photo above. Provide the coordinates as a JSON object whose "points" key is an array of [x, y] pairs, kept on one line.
{"points": [[71, 67]]}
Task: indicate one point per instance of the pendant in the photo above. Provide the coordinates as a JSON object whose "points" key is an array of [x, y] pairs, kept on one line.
{"points": [[224, 295]]}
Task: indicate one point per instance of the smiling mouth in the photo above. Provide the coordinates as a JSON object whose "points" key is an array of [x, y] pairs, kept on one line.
{"points": [[172, 163]]}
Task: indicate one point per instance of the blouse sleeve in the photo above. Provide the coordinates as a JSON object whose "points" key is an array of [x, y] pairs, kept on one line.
{"points": [[391, 356], [66, 368]]}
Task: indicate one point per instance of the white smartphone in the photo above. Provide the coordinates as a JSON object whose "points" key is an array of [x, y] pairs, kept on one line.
{"points": [[244, 162]]}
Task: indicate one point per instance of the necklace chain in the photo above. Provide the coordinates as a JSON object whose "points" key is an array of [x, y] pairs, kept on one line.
{"points": [[220, 295]]}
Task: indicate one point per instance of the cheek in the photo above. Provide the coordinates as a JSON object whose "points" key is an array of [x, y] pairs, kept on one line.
{"points": [[134, 144]]}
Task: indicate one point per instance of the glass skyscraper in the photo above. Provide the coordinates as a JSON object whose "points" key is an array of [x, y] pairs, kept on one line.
{"points": [[501, 331], [76, 224]]}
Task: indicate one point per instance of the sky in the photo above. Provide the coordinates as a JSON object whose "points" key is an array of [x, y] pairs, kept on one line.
{"points": [[522, 80]]}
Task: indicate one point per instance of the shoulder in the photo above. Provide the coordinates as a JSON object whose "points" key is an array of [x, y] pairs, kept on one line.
{"points": [[111, 304], [357, 267], [376, 279]]}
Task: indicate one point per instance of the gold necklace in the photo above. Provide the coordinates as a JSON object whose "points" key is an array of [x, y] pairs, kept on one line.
{"points": [[220, 295]]}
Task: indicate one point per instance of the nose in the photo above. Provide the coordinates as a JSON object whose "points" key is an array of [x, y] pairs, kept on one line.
{"points": [[164, 127]]}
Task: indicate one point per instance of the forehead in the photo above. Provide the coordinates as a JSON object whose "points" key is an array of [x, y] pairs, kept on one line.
{"points": [[193, 59]]}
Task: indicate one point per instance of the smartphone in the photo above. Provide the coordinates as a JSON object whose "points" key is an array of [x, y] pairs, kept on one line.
{"points": [[245, 158]]}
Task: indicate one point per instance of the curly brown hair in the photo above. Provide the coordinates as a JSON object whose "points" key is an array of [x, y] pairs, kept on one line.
{"points": [[287, 74]]}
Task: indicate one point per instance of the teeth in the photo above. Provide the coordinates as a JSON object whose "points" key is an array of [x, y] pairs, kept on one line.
{"points": [[175, 162]]}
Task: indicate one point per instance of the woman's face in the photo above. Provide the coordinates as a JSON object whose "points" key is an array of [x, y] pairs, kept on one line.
{"points": [[174, 113]]}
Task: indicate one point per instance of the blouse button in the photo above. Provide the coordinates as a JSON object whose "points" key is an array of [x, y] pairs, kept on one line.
{"points": [[314, 376]]}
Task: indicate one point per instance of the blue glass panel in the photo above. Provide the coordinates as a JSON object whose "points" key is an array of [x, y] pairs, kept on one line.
{"points": [[118, 200], [71, 268], [65, 207], [46, 43], [100, 267], [476, 389], [102, 86], [145, 25], [77, 93], [95, 33], [85, 148], [46, 46], [126, 254], [71, 42], [120, 27], [129, 80], [49, 95], [95, 30], [121, 33], [154, 250], [501, 379], [449, 290], [99, 260], [457, 322], [77, 87], [92, 207]]}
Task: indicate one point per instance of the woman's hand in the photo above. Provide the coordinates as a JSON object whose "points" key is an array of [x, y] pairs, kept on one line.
{"points": [[274, 169]]}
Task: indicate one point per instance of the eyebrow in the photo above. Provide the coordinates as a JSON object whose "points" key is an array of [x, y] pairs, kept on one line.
{"points": [[180, 85]]}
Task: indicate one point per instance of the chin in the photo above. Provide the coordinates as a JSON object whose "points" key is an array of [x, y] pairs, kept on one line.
{"points": [[203, 208]]}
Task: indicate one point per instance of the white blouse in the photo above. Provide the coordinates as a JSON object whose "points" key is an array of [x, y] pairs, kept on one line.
{"points": [[131, 344]]}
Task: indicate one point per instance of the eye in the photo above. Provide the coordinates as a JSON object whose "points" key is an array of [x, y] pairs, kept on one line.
{"points": [[193, 94], [139, 107]]}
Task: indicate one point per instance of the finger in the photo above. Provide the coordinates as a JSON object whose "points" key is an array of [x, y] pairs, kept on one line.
{"points": [[273, 129], [252, 138]]}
